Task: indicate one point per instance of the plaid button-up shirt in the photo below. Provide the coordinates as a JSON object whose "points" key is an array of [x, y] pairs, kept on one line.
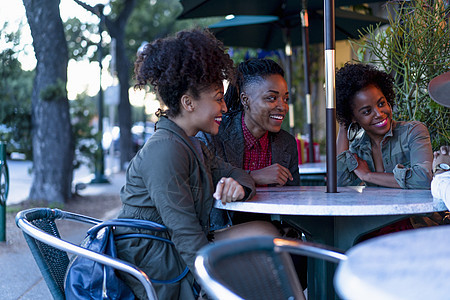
{"points": [[257, 152]]}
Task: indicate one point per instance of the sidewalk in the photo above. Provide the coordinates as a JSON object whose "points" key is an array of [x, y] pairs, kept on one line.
{"points": [[21, 179], [20, 277]]}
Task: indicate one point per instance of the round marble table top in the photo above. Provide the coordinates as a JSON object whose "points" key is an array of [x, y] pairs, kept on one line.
{"points": [[348, 201], [413, 264]]}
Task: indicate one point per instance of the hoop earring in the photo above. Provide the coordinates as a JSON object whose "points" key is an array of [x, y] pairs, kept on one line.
{"points": [[352, 131], [245, 104]]}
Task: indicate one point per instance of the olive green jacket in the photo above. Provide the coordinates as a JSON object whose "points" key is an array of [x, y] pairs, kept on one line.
{"points": [[406, 151], [170, 182]]}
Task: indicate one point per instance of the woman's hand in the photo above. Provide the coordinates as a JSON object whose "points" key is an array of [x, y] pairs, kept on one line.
{"points": [[441, 156], [272, 174], [228, 190], [363, 168]]}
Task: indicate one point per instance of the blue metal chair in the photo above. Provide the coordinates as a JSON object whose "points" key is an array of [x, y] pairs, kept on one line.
{"points": [[50, 251], [256, 268]]}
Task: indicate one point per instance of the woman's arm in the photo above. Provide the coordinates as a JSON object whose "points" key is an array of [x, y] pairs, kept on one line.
{"points": [[220, 169], [284, 170], [383, 179], [342, 142], [346, 161], [165, 169], [293, 167], [273, 174], [418, 173]]}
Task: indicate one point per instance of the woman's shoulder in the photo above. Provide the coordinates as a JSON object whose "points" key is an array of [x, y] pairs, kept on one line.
{"points": [[230, 125], [231, 118], [164, 143], [284, 136], [409, 127]]}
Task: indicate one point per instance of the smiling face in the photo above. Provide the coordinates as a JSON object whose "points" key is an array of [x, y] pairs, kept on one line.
{"points": [[267, 101], [209, 107], [372, 112]]}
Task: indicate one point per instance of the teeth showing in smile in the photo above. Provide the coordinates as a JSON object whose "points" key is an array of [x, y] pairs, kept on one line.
{"points": [[381, 123], [277, 117], [218, 119]]}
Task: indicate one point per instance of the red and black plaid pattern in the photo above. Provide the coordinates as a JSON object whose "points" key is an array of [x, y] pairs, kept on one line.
{"points": [[257, 152]]}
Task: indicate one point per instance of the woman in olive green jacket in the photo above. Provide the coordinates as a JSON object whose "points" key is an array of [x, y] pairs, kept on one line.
{"points": [[172, 180]]}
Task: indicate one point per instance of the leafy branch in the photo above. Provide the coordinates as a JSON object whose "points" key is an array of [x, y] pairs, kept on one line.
{"points": [[414, 48]]}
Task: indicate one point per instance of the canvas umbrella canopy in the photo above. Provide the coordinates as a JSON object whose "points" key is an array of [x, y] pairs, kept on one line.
{"points": [[216, 8], [269, 32]]}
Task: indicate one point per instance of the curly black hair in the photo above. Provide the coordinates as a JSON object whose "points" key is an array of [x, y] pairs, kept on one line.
{"points": [[249, 72], [352, 78], [187, 62]]}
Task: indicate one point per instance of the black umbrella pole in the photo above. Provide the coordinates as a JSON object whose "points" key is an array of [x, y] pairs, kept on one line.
{"points": [[331, 150], [330, 65]]}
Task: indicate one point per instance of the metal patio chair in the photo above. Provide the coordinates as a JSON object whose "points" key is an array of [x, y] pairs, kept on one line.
{"points": [[256, 268], [50, 251]]}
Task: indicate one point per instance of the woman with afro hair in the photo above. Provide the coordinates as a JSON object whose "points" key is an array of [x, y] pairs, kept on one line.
{"points": [[388, 153], [174, 178]]}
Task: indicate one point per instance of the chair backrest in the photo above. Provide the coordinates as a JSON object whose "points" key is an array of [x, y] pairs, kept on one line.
{"points": [[51, 261], [50, 251], [255, 268]]}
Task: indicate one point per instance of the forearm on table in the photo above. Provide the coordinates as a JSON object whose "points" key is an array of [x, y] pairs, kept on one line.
{"points": [[383, 179]]}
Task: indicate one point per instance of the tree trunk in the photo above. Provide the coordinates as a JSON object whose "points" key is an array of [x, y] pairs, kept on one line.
{"points": [[53, 146], [116, 29], [126, 145]]}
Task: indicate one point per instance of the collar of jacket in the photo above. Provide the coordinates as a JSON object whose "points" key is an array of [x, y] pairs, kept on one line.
{"points": [[364, 141], [165, 123]]}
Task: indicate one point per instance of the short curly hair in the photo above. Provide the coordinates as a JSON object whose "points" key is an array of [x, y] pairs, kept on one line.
{"points": [[352, 78], [187, 62], [248, 72]]}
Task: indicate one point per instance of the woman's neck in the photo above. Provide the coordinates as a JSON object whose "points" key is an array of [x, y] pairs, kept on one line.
{"points": [[376, 140], [254, 129], [184, 124]]}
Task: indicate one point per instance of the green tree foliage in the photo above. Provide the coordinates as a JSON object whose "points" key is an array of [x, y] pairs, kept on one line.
{"points": [[15, 99], [15, 96], [152, 19], [79, 38], [414, 48], [82, 112]]}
